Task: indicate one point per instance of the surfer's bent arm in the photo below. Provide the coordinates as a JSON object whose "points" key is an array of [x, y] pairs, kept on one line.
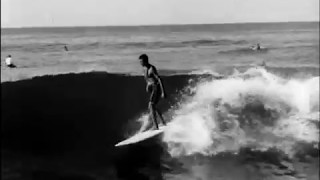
{"points": [[158, 79]]}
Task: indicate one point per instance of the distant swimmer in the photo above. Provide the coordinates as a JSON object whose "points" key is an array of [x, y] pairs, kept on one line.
{"points": [[66, 48], [154, 87], [8, 62], [257, 47]]}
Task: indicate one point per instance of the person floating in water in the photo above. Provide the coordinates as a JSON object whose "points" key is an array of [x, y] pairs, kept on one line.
{"points": [[256, 48], [154, 87], [8, 62], [66, 48]]}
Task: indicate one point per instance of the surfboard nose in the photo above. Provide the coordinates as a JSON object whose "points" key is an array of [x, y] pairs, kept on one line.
{"points": [[141, 137]]}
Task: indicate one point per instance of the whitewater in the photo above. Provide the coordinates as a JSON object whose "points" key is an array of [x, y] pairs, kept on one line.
{"points": [[255, 109]]}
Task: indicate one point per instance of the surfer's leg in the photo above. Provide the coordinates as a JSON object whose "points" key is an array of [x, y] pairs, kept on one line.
{"points": [[153, 114], [161, 118], [153, 101]]}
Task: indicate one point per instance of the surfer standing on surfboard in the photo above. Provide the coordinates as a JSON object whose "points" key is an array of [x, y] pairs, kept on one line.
{"points": [[154, 87]]}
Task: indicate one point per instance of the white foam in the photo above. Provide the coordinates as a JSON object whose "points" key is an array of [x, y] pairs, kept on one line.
{"points": [[196, 125]]}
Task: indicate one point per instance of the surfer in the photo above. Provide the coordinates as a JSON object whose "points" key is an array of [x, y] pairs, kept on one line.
{"points": [[9, 63], [154, 87]]}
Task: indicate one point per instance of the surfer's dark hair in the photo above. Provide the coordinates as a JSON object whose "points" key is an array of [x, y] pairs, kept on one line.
{"points": [[144, 58]]}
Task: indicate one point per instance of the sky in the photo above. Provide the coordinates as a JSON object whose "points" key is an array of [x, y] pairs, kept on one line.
{"points": [[34, 13]]}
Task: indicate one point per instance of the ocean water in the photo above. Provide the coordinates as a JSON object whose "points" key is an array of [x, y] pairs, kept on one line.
{"points": [[229, 118], [173, 48]]}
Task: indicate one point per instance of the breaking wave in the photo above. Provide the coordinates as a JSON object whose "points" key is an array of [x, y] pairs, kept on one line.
{"points": [[75, 119], [255, 109]]}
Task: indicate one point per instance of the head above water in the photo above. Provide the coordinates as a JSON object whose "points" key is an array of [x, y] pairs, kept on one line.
{"points": [[144, 60], [9, 56]]}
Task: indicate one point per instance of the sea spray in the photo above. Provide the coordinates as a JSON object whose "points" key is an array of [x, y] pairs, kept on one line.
{"points": [[255, 109]]}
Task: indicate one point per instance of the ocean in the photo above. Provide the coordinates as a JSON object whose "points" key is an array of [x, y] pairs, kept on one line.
{"points": [[180, 48], [233, 113]]}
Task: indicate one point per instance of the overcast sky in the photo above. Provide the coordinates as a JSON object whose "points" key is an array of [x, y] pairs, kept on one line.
{"points": [[21, 13]]}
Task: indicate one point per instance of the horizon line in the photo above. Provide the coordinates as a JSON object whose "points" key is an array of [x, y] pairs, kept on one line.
{"points": [[156, 25]]}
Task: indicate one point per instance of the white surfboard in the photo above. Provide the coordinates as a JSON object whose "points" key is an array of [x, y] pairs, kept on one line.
{"points": [[141, 136]]}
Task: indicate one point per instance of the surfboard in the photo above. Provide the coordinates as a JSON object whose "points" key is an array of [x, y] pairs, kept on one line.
{"points": [[141, 136]]}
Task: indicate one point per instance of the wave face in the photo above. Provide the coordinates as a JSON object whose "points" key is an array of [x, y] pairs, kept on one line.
{"points": [[99, 103], [255, 109], [76, 119]]}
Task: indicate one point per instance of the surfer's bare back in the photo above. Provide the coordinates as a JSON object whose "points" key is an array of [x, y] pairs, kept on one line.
{"points": [[154, 87]]}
